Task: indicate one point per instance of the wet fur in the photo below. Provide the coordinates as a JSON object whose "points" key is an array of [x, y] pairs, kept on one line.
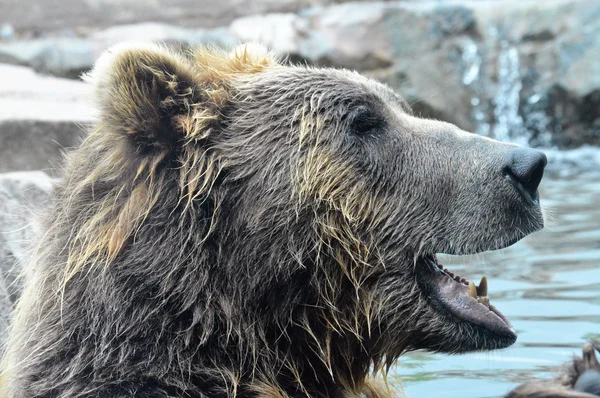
{"points": [[223, 231]]}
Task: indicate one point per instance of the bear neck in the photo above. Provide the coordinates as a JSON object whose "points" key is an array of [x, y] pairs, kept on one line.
{"points": [[312, 299], [236, 307]]}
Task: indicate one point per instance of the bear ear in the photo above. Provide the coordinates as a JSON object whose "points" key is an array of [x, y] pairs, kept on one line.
{"points": [[142, 91]]}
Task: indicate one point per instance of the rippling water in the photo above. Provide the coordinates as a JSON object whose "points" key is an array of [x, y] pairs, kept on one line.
{"points": [[548, 285]]}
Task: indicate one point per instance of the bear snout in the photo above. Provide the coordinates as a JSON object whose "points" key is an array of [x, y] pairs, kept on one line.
{"points": [[525, 169]]}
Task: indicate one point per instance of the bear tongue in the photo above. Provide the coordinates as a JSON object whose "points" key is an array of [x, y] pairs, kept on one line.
{"points": [[470, 303]]}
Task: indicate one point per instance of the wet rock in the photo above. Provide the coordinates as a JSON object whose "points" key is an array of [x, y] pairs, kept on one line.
{"points": [[40, 116], [66, 57], [56, 15], [22, 195], [36, 144], [410, 46], [283, 33], [7, 31], [349, 35], [579, 59], [151, 31], [555, 57], [447, 21], [576, 120], [71, 56], [491, 67]]}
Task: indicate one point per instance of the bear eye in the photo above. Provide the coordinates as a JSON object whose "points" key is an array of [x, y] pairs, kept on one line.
{"points": [[364, 121]]}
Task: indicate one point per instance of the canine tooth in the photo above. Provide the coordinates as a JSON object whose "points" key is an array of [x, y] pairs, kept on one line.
{"points": [[482, 290], [472, 290], [484, 300]]}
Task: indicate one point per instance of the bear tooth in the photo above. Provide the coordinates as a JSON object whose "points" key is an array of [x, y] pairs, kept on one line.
{"points": [[484, 300], [482, 290], [472, 290]]}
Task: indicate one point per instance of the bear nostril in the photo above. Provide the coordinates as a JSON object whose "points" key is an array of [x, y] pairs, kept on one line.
{"points": [[526, 166]]}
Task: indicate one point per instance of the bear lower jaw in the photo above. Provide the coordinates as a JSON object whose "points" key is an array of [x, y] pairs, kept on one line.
{"points": [[464, 300]]}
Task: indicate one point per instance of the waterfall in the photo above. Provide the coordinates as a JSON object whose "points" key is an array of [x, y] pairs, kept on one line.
{"points": [[499, 117], [537, 122], [501, 107], [471, 59], [508, 124]]}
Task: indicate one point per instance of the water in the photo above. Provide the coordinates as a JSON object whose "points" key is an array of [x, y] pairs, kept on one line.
{"points": [[507, 116], [509, 124], [548, 285], [472, 60]]}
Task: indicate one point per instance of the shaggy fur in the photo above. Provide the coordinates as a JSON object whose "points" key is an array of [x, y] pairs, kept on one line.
{"points": [[234, 227]]}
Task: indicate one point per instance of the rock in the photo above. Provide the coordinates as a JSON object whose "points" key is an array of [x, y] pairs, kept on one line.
{"points": [[39, 117], [66, 57], [71, 56], [36, 144], [350, 35], [540, 69], [491, 67], [56, 15], [22, 195], [150, 31], [7, 31], [283, 33], [579, 59]]}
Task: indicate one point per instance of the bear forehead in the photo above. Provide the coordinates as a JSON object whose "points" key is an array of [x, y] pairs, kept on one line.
{"points": [[333, 83]]}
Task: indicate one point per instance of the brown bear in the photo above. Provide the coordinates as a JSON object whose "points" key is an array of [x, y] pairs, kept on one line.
{"points": [[233, 226]]}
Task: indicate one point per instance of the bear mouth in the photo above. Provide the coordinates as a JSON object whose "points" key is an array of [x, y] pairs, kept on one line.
{"points": [[464, 299]]}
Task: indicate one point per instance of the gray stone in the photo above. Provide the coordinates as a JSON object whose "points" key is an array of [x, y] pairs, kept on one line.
{"points": [[491, 67], [351, 35], [57, 15], [7, 31], [71, 56], [58, 56], [411, 46], [148, 31], [283, 33], [553, 53], [36, 144], [40, 116], [579, 59]]}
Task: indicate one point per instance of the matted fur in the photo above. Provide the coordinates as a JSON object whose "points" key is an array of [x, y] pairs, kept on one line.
{"points": [[234, 227]]}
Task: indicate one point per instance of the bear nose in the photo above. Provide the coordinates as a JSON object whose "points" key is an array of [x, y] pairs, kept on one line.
{"points": [[525, 169]]}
